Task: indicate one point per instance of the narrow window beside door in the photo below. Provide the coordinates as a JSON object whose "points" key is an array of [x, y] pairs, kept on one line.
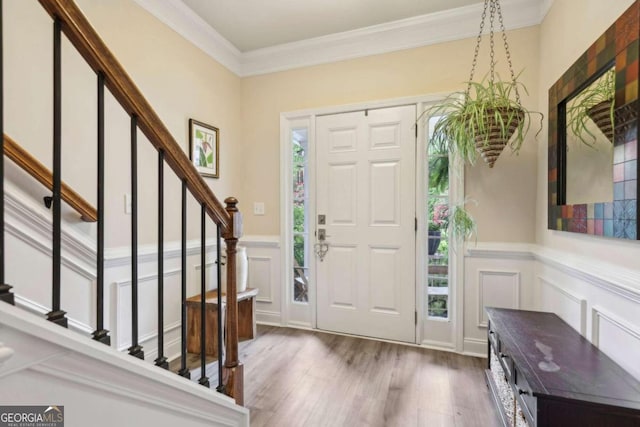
{"points": [[438, 241], [300, 216]]}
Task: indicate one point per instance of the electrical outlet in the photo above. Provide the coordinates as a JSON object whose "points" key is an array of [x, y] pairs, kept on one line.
{"points": [[127, 204], [258, 208]]}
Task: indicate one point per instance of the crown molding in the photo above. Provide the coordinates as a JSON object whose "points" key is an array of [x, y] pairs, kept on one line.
{"points": [[544, 8], [449, 25], [424, 30], [184, 21]]}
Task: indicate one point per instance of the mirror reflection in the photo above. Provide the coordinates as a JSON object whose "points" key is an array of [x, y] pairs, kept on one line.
{"points": [[589, 133]]}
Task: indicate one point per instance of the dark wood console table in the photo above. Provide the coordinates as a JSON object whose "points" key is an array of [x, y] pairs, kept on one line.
{"points": [[544, 373]]}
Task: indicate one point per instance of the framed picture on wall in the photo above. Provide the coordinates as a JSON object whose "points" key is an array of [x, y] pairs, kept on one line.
{"points": [[204, 147]]}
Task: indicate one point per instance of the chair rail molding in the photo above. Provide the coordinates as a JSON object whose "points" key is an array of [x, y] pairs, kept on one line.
{"points": [[618, 280]]}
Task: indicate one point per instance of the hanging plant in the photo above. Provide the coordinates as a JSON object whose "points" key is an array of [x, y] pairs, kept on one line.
{"points": [[482, 121], [488, 116], [594, 104], [438, 168], [462, 226]]}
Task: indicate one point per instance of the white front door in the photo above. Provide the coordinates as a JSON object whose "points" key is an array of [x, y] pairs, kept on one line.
{"points": [[366, 192]]}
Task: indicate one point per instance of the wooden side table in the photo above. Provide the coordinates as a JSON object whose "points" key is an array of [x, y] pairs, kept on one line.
{"points": [[246, 319]]}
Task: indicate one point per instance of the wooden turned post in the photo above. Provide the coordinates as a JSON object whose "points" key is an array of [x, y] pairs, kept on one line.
{"points": [[233, 370]]}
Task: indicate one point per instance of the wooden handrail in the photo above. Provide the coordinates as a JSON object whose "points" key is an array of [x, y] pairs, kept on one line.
{"points": [[33, 167], [95, 52]]}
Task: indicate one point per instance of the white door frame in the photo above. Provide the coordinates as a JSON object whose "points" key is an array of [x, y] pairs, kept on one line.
{"points": [[304, 315], [456, 255]]}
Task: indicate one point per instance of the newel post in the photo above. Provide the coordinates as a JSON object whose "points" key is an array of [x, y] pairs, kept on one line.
{"points": [[233, 370]]}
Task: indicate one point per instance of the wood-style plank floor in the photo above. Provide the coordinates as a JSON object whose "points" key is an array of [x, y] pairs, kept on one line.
{"points": [[306, 378]]}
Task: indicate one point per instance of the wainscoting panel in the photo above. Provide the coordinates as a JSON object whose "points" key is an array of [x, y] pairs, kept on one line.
{"points": [[495, 275], [567, 305], [263, 254], [497, 289], [260, 277], [599, 300], [147, 314], [118, 304], [609, 331]]}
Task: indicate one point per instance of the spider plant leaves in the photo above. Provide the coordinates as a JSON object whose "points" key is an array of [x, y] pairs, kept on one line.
{"points": [[462, 226], [472, 120], [579, 109]]}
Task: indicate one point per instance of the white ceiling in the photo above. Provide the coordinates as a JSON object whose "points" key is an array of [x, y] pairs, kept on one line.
{"points": [[255, 24]]}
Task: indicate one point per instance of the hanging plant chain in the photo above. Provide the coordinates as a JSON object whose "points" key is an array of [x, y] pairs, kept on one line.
{"points": [[488, 116], [507, 53], [492, 59], [475, 54], [494, 8]]}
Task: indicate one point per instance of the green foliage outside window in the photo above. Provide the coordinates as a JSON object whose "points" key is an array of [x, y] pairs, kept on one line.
{"points": [[298, 204]]}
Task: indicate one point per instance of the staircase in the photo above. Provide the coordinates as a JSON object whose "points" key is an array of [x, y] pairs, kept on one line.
{"points": [[43, 361]]}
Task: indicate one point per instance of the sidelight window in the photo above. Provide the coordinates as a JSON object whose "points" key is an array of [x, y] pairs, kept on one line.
{"points": [[438, 238], [300, 216]]}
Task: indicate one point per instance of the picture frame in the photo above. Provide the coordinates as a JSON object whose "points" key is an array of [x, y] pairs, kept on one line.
{"points": [[204, 148]]}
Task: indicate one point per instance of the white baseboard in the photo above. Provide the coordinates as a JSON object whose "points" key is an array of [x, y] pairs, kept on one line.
{"points": [[299, 325], [269, 317], [475, 347], [437, 345]]}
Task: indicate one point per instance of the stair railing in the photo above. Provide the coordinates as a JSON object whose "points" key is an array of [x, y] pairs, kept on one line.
{"points": [[69, 20], [24, 160]]}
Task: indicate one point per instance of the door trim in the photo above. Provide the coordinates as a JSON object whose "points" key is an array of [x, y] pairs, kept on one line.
{"points": [[292, 315]]}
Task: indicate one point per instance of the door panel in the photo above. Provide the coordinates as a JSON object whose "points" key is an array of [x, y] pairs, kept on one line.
{"points": [[343, 276], [384, 267], [366, 189], [385, 193], [344, 194]]}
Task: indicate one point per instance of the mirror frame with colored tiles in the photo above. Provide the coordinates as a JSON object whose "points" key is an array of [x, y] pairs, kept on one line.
{"points": [[619, 47]]}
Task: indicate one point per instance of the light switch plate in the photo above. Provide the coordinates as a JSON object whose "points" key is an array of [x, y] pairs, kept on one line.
{"points": [[127, 204], [258, 208]]}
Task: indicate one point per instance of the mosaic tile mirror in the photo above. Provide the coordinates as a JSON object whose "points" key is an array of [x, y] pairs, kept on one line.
{"points": [[593, 137]]}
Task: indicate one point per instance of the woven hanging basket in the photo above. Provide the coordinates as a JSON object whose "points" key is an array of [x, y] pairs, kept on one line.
{"points": [[492, 139], [601, 116]]}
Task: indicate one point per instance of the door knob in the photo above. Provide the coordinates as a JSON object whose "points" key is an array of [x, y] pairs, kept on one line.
{"points": [[322, 234], [322, 247]]}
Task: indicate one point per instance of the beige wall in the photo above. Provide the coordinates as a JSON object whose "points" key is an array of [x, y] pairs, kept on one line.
{"points": [[506, 194], [569, 28], [179, 80]]}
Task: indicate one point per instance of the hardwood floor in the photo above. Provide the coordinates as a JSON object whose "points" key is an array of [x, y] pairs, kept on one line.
{"points": [[307, 378]]}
